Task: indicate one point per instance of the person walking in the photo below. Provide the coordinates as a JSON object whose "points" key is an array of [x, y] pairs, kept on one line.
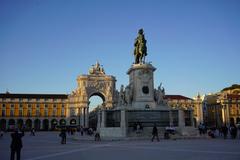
{"points": [[16, 144], [225, 131], [63, 135], [97, 136], [32, 132], [155, 133], [1, 133], [233, 131], [81, 130]]}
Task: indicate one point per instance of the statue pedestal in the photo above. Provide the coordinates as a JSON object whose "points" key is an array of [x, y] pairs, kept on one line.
{"points": [[141, 83]]}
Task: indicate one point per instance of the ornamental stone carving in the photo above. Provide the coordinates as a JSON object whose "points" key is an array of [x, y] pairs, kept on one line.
{"points": [[94, 83]]}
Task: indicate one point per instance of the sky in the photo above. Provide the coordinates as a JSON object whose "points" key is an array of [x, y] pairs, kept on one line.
{"points": [[45, 45]]}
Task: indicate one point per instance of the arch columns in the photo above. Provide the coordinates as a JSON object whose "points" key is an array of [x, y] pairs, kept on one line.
{"points": [[86, 116], [82, 116]]}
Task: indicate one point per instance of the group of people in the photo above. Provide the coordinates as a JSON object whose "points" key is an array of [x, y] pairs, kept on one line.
{"points": [[88, 131], [223, 131], [16, 144]]}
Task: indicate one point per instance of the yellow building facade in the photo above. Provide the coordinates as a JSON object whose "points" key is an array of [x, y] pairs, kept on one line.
{"points": [[220, 108], [186, 105], [39, 111], [229, 100]]}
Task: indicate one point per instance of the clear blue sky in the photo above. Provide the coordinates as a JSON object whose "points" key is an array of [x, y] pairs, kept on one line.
{"points": [[46, 44]]}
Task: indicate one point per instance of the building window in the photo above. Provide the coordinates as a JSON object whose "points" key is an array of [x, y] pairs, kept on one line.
{"points": [[3, 113], [20, 110], [231, 108], [12, 110], [187, 115], [46, 112], [29, 111], [54, 113], [63, 111], [20, 99], [20, 113], [37, 113], [11, 113], [72, 112]]}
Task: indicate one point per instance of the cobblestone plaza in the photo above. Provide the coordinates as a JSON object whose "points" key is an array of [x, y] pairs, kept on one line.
{"points": [[46, 146]]}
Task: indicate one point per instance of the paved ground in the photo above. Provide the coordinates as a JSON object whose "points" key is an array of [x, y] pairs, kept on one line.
{"points": [[46, 146]]}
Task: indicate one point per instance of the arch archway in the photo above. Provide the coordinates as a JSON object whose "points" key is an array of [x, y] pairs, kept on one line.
{"points": [[54, 123], [62, 122], [96, 102], [232, 121], [45, 124], [37, 124], [238, 120], [20, 123], [3, 124], [28, 124], [11, 124], [73, 122]]}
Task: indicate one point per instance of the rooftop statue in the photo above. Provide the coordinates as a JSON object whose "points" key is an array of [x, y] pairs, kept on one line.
{"points": [[140, 50], [96, 69]]}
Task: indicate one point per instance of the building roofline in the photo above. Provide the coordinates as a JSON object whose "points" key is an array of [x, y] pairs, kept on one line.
{"points": [[29, 95], [178, 97]]}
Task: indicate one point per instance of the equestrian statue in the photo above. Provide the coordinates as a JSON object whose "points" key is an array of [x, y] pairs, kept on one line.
{"points": [[140, 50]]}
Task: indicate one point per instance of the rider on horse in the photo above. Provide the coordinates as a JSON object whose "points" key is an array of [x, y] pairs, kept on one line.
{"points": [[140, 50]]}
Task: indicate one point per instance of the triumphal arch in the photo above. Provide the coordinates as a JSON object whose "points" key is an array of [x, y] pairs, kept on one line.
{"points": [[96, 82]]}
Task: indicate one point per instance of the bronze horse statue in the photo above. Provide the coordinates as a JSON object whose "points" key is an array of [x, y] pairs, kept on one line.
{"points": [[140, 50]]}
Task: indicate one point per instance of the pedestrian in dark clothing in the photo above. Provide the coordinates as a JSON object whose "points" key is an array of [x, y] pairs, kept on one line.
{"points": [[68, 130], [233, 131], [16, 145], [155, 133], [225, 131], [63, 135], [32, 132], [1, 133], [97, 136], [81, 130]]}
